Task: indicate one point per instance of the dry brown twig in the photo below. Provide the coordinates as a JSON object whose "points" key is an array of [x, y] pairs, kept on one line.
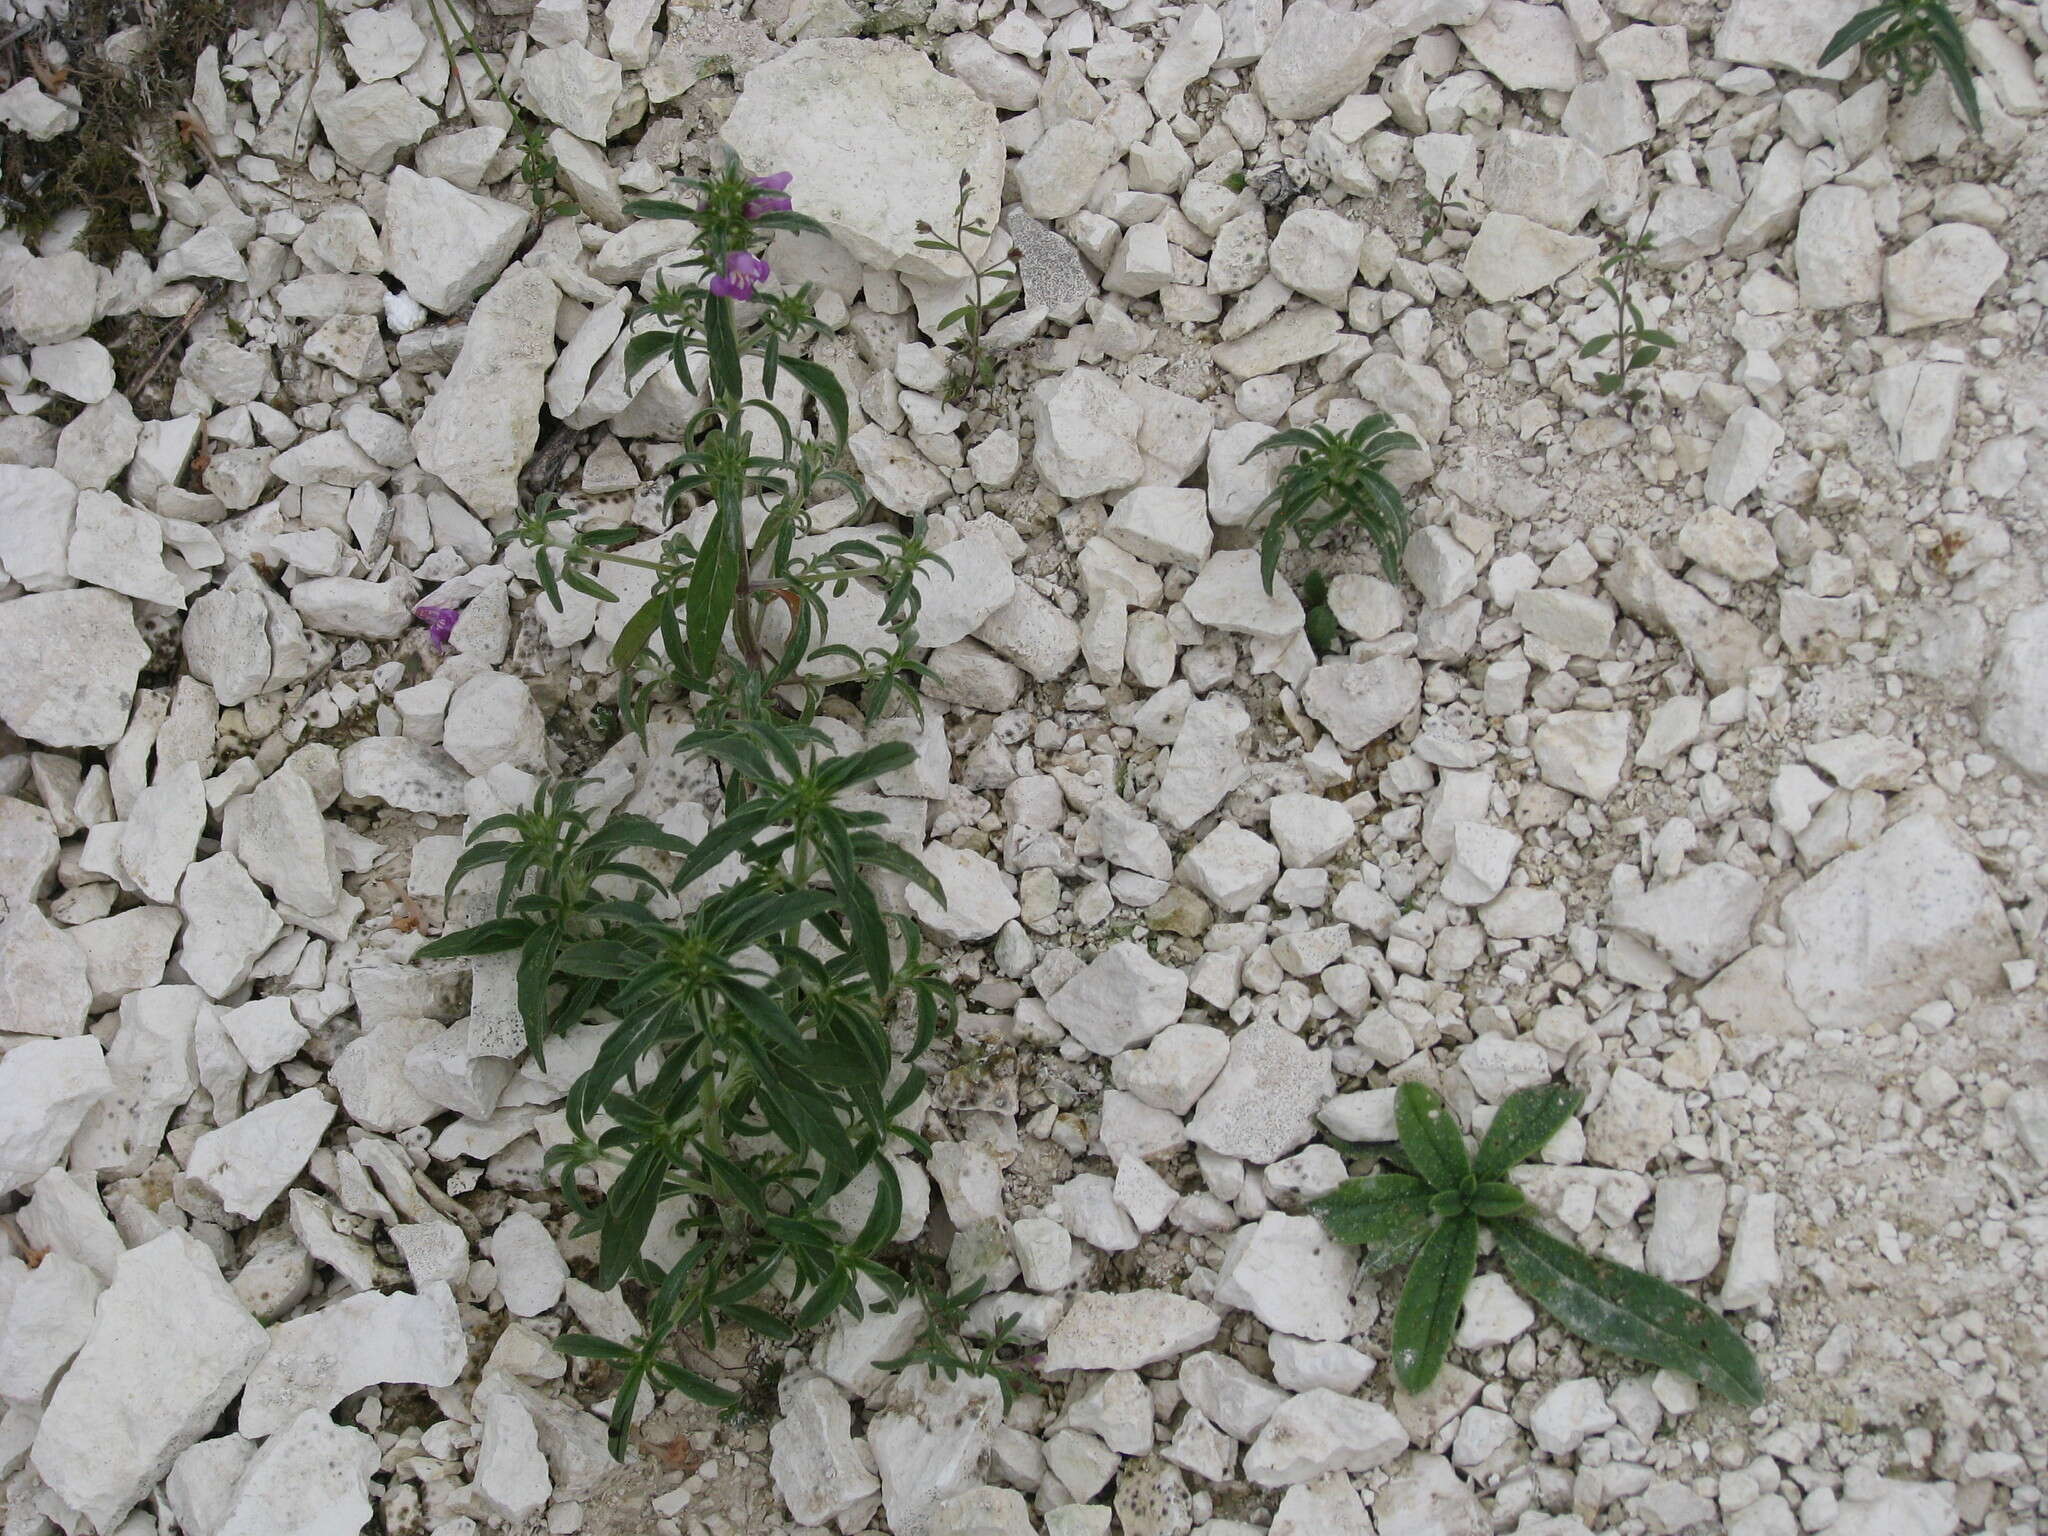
{"points": [[170, 342]]}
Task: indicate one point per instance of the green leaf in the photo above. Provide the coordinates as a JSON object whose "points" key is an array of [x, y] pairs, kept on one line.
{"points": [[691, 1385], [606, 959], [1426, 1317], [1375, 1210], [644, 349], [765, 1323], [1948, 46], [714, 582], [721, 347], [1396, 1252], [1430, 1136], [535, 976], [762, 1011], [588, 1346], [621, 1422], [637, 631], [1597, 345], [885, 1216], [825, 388], [1659, 338], [658, 208], [1523, 1126], [627, 1211], [1629, 1312], [1494, 1201], [491, 938], [1859, 26]]}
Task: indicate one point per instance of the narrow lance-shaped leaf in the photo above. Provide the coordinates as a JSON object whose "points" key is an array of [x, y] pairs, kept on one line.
{"points": [[490, 938], [1948, 46], [1859, 27], [1629, 1312], [587, 1346], [1426, 1317]]}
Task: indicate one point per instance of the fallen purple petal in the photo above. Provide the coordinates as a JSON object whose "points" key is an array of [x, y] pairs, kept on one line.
{"points": [[440, 623]]}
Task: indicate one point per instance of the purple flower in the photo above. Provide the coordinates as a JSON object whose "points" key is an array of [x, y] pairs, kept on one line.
{"points": [[777, 183], [743, 269], [440, 623]]}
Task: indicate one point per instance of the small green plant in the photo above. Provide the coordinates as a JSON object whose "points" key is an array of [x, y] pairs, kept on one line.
{"points": [[945, 1319], [1320, 622], [1429, 1215], [762, 1016], [1909, 40], [1634, 343], [1338, 478], [538, 168], [971, 367], [1436, 213]]}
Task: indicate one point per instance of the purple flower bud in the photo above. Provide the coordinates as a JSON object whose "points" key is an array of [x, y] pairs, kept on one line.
{"points": [[440, 623], [777, 183], [743, 269]]}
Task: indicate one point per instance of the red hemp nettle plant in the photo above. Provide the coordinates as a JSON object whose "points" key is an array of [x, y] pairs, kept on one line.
{"points": [[759, 1017]]}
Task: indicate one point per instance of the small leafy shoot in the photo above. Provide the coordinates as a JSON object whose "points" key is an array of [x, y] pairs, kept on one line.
{"points": [[1633, 344], [1909, 40], [971, 369], [1429, 1217], [1336, 480]]}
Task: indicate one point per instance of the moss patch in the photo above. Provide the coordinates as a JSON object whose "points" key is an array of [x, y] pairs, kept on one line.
{"points": [[122, 111]]}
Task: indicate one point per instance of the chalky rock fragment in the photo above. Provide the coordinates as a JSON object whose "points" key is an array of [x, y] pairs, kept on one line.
{"points": [[47, 1087], [1884, 929], [1124, 1331], [311, 1479], [479, 428], [830, 104], [1122, 999], [170, 1346], [2015, 698], [72, 661], [314, 1361]]}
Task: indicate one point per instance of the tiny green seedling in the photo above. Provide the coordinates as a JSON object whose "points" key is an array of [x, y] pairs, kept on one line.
{"points": [[1909, 40], [1634, 343], [1429, 1215], [1320, 621], [1437, 211], [1338, 478], [945, 1319], [538, 168], [972, 369]]}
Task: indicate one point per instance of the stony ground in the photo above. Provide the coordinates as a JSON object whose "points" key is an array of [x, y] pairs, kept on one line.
{"points": [[1696, 758]]}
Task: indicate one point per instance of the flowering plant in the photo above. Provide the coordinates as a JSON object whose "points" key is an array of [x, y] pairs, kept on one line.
{"points": [[761, 1015]]}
